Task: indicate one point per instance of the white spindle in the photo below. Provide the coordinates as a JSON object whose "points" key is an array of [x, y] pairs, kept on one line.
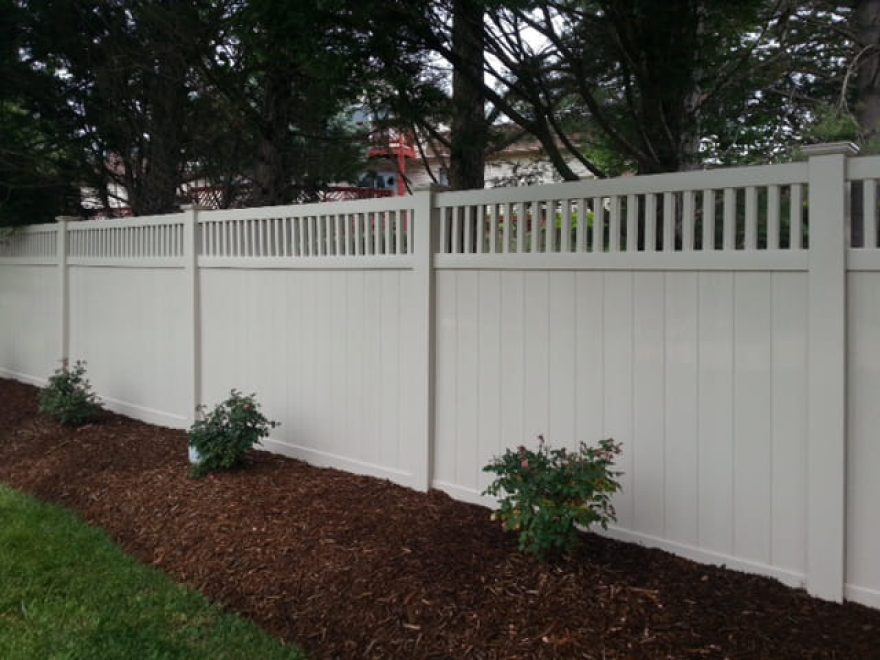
{"points": [[580, 239], [468, 228], [456, 229], [751, 235], [773, 217], [614, 224], [729, 220], [481, 226], [311, 235], [550, 226], [708, 220], [869, 214], [376, 222], [796, 240], [444, 230], [398, 232], [668, 222], [565, 235], [650, 222], [521, 224], [598, 225], [632, 223], [493, 228], [687, 221], [536, 226]]}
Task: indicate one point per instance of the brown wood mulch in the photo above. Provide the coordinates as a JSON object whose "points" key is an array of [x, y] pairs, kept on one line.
{"points": [[348, 566]]}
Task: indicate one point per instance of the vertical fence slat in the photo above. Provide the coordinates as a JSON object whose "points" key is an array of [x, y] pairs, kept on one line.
{"points": [[614, 225], [480, 234], [687, 220], [598, 225], [729, 220], [534, 226], [550, 225], [650, 222], [751, 235], [493, 228], [385, 219], [444, 230], [708, 227], [870, 212], [580, 239], [773, 217], [632, 223], [565, 237], [468, 212], [517, 225], [796, 240], [330, 238], [668, 222], [356, 233]]}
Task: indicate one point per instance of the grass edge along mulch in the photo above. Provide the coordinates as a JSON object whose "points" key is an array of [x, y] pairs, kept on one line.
{"points": [[69, 591], [347, 566]]}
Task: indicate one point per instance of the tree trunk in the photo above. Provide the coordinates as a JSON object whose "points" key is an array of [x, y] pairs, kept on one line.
{"points": [[469, 137], [272, 175], [164, 155], [866, 18]]}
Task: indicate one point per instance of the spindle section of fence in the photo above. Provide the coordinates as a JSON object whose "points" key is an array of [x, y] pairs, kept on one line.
{"points": [[630, 215]]}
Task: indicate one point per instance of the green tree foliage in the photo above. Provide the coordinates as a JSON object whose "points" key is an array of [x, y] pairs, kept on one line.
{"points": [[38, 160], [253, 96]]}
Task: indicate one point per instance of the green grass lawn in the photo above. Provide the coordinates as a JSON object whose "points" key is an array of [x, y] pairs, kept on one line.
{"points": [[67, 591]]}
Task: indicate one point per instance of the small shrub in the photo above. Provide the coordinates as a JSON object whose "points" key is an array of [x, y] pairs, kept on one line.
{"points": [[223, 436], [545, 495], [68, 396]]}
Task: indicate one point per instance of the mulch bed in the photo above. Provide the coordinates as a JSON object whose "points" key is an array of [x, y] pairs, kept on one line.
{"points": [[349, 566]]}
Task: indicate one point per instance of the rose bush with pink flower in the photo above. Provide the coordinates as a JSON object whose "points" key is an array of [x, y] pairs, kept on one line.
{"points": [[548, 495], [223, 437]]}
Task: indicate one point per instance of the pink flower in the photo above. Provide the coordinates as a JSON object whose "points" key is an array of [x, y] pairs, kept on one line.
{"points": [[525, 464]]}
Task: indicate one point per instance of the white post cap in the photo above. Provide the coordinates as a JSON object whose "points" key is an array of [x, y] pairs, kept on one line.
{"points": [[830, 149]]}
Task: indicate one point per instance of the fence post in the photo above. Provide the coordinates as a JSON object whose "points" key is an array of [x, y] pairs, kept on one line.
{"points": [[193, 307], [826, 357], [63, 286], [423, 331]]}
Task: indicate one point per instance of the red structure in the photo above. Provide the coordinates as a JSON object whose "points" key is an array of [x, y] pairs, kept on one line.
{"points": [[395, 146]]}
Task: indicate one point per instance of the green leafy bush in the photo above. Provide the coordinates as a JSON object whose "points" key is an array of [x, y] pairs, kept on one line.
{"points": [[223, 436], [68, 396], [545, 495]]}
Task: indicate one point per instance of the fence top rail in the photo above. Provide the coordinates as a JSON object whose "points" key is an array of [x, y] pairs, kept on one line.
{"points": [[128, 223], [863, 167], [308, 210], [733, 177]]}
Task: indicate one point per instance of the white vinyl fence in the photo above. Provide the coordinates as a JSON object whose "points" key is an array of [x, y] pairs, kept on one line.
{"points": [[723, 325]]}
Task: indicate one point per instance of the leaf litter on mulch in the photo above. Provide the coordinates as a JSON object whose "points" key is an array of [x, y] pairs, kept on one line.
{"points": [[349, 566]]}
